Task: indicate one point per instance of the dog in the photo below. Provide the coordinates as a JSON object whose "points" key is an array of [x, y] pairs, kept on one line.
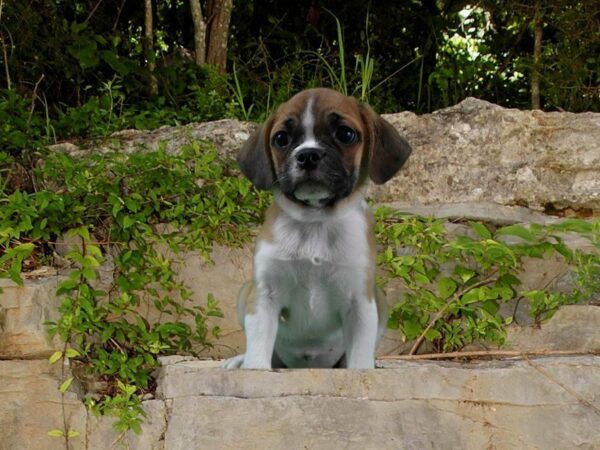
{"points": [[313, 301]]}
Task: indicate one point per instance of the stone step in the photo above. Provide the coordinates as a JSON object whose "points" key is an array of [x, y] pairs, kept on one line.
{"points": [[543, 403], [412, 405]]}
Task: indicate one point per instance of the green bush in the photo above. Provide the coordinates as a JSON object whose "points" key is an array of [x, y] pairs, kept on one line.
{"points": [[456, 285]]}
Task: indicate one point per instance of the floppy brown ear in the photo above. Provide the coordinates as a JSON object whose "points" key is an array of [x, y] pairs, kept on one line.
{"points": [[388, 150], [254, 160]]}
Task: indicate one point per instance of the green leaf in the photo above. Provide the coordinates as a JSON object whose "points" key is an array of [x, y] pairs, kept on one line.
{"points": [[464, 273], [432, 334], [446, 287], [66, 384], [113, 60], [56, 433], [132, 204], [411, 329], [71, 353], [80, 231], [128, 222], [516, 230], [574, 225], [55, 357], [421, 279], [73, 433], [481, 230]]}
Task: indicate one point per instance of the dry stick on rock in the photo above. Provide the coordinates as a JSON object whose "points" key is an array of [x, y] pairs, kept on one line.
{"points": [[441, 312], [486, 354]]}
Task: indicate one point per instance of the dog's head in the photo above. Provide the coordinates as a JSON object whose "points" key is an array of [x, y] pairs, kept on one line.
{"points": [[320, 147]]}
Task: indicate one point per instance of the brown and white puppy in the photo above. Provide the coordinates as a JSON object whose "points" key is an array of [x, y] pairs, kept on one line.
{"points": [[313, 300]]}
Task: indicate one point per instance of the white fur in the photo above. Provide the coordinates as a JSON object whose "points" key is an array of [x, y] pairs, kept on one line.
{"points": [[306, 143], [308, 120], [317, 271]]}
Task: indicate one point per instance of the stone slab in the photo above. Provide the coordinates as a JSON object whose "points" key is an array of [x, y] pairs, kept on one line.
{"points": [[23, 311], [101, 435], [573, 328], [406, 405], [31, 405], [476, 151]]}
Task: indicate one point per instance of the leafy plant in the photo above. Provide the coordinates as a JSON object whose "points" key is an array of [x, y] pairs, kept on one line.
{"points": [[142, 211], [456, 285]]}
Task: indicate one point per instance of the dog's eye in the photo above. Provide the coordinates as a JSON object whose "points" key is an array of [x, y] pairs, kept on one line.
{"points": [[345, 135], [281, 139]]}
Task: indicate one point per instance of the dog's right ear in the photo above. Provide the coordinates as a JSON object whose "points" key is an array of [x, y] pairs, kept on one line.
{"points": [[254, 157]]}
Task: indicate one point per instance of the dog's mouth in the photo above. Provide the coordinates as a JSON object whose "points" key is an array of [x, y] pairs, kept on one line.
{"points": [[313, 193]]}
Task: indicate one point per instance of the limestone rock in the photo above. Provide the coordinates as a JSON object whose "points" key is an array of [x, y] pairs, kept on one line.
{"points": [[479, 152], [227, 135], [102, 435], [500, 405], [23, 311], [573, 327], [30, 406]]}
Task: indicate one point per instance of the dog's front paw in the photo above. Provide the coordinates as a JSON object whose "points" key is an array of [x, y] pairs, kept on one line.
{"points": [[233, 363]]}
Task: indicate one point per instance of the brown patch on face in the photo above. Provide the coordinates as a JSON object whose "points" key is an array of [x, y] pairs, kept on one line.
{"points": [[330, 108], [290, 110], [331, 104]]}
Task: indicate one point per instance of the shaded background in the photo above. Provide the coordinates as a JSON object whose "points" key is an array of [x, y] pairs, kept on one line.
{"points": [[73, 68]]}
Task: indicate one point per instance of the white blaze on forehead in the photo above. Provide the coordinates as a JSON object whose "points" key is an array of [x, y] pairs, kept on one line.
{"points": [[308, 119], [308, 125]]}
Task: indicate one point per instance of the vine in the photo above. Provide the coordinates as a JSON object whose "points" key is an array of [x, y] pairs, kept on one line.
{"points": [[137, 213]]}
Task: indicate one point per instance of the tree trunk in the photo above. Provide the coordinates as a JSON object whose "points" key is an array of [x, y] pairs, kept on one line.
{"points": [[149, 46], [199, 31], [219, 13], [537, 55]]}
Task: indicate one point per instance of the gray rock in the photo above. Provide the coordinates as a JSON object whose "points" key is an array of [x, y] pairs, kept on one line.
{"points": [[31, 405], [479, 152], [501, 405], [23, 311], [227, 135], [481, 211], [573, 327]]}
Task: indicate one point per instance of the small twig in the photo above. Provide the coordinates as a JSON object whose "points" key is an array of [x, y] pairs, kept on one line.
{"points": [[579, 398], [118, 15], [33, 98], [92, 12], [486, 354], [4, 52], [441, 312], [116, 344]]}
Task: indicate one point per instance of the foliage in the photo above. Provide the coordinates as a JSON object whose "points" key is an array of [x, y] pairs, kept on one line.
{"points": [[455, 285], [141, 211], [78, 68]]}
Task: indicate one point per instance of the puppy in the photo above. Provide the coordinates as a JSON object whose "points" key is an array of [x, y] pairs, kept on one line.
{"points": [[313, 301]]}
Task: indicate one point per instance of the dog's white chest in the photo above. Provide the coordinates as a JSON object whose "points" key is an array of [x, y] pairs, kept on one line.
{"points": [[315, 255]]}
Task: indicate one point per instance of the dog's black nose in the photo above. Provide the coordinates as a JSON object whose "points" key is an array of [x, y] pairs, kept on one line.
{"points": [[309, 158]]}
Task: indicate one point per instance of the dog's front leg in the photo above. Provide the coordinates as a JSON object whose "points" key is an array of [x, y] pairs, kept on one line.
{"points": [[261, 331], [360, 333]]}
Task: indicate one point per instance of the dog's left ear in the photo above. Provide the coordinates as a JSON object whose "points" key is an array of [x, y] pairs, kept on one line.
{"points": [[254, 158], [388, 151]]}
